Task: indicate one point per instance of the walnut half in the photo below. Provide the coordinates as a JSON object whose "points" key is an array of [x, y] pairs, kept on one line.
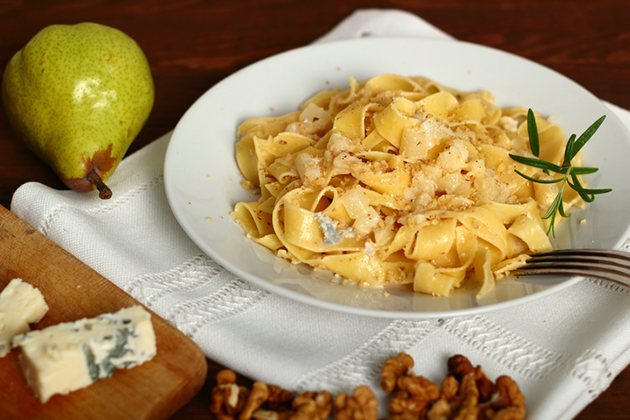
{"points": [[362, 405]]}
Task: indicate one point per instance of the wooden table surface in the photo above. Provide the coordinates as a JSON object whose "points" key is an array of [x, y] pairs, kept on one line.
{"points": [[193, 44]]}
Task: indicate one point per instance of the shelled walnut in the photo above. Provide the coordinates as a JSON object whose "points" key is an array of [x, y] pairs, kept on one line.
{"points": [[312, 406], [227, 398], [465, 393], [362, 405], [394, 368]]}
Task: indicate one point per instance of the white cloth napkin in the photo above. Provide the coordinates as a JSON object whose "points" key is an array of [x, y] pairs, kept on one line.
{"points": [[563, 350]]}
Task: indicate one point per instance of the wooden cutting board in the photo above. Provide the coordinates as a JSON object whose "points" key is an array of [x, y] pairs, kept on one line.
{"points": [[154, 390]]}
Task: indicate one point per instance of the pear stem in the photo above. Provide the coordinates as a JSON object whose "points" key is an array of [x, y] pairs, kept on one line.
{"points": [[103, 190]]}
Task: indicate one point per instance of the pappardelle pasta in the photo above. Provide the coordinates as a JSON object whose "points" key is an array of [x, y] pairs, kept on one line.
{"points": [[399, 180]]}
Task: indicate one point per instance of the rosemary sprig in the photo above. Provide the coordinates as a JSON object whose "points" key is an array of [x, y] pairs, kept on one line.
{"points": [[567, 170]]}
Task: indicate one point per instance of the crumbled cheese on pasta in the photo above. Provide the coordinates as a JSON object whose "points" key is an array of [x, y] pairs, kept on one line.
{"points": [[328, 226], [508, 123]]}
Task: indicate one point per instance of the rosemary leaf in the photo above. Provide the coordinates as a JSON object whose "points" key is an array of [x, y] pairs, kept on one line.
{"points": [[555, 205], [568, 150], [561, 207], [584, 170], [537, 163], [539, 181], [532, 131], [592, 191], [555, 208], [586, 136], [577, 186]]}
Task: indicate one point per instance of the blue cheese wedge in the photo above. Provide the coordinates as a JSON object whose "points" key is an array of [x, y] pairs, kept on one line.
{"points": [[20, 304], [69, 356]]}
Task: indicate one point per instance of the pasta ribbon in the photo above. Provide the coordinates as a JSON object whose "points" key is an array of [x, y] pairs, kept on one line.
{"points": [[399, 180]]}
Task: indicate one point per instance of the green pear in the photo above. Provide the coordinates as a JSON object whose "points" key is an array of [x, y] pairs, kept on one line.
{"points": [[78, 95]]}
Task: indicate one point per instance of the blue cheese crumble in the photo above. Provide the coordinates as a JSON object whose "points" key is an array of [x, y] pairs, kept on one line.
{"points": [[328, 226]]}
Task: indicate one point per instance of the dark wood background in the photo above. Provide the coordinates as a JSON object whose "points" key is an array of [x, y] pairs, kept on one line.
{"points": [[193, 44]]}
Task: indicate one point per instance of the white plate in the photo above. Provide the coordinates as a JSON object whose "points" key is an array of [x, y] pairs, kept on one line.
{"points": [[203, 181]]}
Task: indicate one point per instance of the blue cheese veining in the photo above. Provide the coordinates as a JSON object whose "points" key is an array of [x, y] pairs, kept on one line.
{"points": [[20, 304], [328, 226], [69, 356]]}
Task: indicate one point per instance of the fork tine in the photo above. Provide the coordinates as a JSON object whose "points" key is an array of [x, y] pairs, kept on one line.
{"points": [[603, 264], [592, 256], [605, 253]]}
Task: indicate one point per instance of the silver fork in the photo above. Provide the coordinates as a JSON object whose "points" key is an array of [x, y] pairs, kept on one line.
{"points": [[598, 263]]}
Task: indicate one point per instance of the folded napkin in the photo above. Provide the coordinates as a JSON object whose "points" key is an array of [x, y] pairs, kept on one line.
{"points": [[563, 350]]}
